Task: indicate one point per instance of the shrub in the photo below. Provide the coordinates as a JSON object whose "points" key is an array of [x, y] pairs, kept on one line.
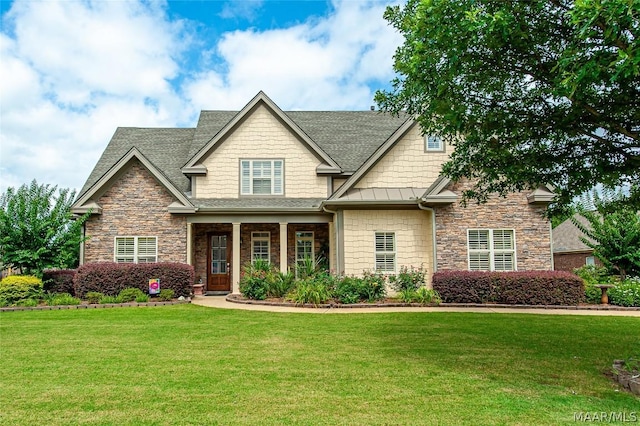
{"points": [[29, 303], [93, 297], [59, 280], [19, 287], [166, 295], [142, 298], [108, 300], [593, 275], [111, 278], [312, 291], [280, 285], [625, 293], [427, 296], [527, 287], [593, 295], [347, 290], [130, 294], [63, 299], [408, 278], [257, 280]]}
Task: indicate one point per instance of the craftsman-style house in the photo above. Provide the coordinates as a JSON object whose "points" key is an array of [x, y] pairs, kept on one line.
{"points": [[361, 189]]}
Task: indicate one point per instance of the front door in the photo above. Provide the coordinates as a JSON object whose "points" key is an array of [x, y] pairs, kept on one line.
{"points": [[218, 277]]}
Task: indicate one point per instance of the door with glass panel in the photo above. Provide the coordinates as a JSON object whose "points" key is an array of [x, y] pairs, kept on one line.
{"points": [[219, 274]]}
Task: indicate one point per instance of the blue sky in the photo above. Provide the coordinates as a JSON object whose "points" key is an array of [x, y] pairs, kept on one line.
{"points": [[73, 71]]}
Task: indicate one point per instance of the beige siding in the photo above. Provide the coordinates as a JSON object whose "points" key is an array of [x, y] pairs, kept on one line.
{"points": [[136, 205], [261, 136], [406, 165], [413, 238], [337, 183]]}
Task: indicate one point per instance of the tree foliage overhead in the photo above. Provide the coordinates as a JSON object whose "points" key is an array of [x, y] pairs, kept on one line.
{"points": [[37, 230], [529, 92]]}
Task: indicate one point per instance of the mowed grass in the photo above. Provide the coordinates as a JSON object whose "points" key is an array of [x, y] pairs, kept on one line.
{"points": [[187, 364]]}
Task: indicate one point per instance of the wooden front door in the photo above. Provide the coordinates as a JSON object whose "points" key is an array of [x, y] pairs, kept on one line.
{"points": [[219, 268]]}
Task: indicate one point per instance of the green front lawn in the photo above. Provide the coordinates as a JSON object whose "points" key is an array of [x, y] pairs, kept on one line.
{"points": [[187, 364]]}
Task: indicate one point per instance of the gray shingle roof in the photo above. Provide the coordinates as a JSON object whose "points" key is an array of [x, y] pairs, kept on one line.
{"points": [[566, 236], [348, 137], [165, 148], [258, 203]]}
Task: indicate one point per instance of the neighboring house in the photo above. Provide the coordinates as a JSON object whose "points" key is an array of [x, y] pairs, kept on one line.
{"points": [[361, 189], [569, 252]]}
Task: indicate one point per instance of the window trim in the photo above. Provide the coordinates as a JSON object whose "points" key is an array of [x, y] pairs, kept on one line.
{"points": [[313, 242], [250, 190], [136, 253], [394, 252], [426, 144], [266, 238], [492, 250]]}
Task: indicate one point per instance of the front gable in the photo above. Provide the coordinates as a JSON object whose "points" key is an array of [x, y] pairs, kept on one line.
{"points": [[261, 131], [90, 199]]}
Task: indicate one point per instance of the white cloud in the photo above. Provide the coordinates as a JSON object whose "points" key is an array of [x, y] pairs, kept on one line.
{"points": [[74, 71], [245, 9]]}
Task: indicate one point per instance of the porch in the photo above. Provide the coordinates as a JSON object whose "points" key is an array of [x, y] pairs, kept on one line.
{"points": [[219, 249]]}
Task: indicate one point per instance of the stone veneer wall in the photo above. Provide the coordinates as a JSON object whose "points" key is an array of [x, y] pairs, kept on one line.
{"points": [[413, 230], [136, 205], [532, 231]]}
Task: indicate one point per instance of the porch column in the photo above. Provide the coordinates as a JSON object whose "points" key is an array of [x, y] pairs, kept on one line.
{"points": [[235, 264], [283, 247], [189, 244]]}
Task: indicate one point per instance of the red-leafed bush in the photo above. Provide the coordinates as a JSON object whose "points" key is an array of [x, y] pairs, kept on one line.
{"points": [[59, 281], [111, 278], [516, 288]]}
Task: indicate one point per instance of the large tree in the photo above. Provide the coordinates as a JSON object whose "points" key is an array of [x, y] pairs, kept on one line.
{"points": [[529, 92], [37, 230]]}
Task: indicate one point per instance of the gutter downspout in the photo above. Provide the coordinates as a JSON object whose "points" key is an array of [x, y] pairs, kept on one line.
{"points": [[433, 231], [336, 230]]}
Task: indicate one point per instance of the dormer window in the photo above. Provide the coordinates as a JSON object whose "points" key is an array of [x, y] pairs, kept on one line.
{"points": [[261, 177], [433, 143]]}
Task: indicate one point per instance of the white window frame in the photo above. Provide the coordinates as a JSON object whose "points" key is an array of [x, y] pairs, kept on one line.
{"points": [[277, 180], [491, 250], [307, 238], [260, 236], [135, 257], [431, 139], [385, 252]]}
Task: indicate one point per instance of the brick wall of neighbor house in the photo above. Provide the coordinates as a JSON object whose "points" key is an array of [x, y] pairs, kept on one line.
{"points": [[413, 230], [570, 261], [406, 165], [261, 136], [532, 231], [136, 205], [320, 240], [201, 245]]}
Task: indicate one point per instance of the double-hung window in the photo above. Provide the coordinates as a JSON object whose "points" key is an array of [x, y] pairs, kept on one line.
{"points": [[261, 177], [260, 246], [491, 249], [385, 249], [304, 248], [136, 249]]}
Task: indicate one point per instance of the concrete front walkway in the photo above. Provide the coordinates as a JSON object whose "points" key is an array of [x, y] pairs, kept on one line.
{"points": [[222, 303]]}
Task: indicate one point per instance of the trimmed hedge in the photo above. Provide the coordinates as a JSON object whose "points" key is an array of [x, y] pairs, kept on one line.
{"points": [[514, 288], [15, 288], [59, 281], [111, 278]]}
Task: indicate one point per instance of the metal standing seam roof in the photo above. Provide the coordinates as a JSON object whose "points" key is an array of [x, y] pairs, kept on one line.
{"points": [[348, 137]]}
